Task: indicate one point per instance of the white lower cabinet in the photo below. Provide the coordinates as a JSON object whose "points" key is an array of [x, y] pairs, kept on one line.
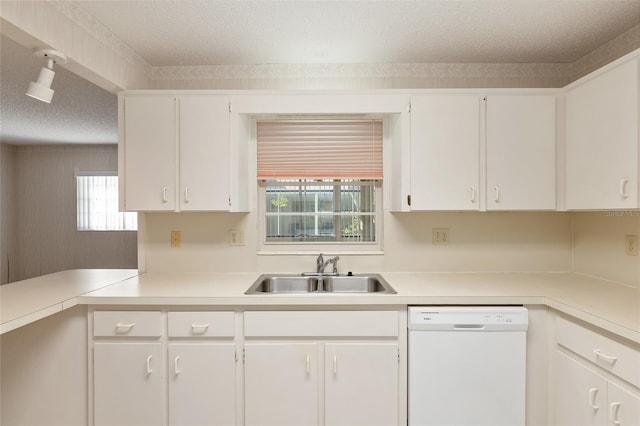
{"points": [[281, 384], [202, 382], [322, 368], [585, 398], [128, 384], [594, 392], [361, 384], [297, 368]]}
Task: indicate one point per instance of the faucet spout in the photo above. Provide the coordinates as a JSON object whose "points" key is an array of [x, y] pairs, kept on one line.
{"points": [[320, 265]]}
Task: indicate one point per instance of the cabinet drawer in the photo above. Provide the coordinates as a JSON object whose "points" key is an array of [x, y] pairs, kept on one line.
{"points": [[127, 323], [201, 324], [321, 323], [613, 356]]}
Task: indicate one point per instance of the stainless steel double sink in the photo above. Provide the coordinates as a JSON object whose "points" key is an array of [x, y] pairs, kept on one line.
{"points": [[320, 284]]}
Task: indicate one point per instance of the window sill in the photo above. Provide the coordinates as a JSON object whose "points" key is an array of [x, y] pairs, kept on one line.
{"points": [[341, 252]]}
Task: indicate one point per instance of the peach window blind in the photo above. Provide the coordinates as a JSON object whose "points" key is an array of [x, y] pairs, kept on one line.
{"points": [[329, 149]]}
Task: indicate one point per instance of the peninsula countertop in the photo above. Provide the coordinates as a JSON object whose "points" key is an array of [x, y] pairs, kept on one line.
{"points": [[26, 301]]}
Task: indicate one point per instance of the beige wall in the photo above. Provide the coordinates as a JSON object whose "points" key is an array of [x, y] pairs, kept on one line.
{"points": [[42, 198], [479, 242], [599, 245], [8, 221]]}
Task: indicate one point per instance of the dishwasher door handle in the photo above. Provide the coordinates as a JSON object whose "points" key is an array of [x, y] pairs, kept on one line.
{"points": [[468, 326]]}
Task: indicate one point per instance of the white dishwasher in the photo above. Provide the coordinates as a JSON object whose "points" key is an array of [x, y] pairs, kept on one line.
{"points": [[467, 365]]}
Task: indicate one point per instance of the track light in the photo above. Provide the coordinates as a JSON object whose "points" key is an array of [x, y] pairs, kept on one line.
{"points": [[41, 89]]}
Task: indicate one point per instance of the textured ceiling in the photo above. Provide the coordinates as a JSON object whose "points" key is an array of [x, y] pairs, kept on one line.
{"points": [[229, 32], [80, 112], [247, 32]]}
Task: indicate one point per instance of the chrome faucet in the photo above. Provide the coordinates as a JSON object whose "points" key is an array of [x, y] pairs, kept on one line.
{"points": [[321, 264]]}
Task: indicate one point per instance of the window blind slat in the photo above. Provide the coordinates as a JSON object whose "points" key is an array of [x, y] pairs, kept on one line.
{"points": [[320, 149]]}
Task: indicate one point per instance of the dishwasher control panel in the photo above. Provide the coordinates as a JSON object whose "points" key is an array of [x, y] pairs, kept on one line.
{"points": [[468, 318]]}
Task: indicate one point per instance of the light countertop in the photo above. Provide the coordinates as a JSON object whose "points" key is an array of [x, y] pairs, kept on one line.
{"points": [[608, 305], [26, 301]]}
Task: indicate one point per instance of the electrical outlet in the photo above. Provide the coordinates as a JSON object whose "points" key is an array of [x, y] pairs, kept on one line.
{"points": [[236, 237], [176, 239], [440, 236], [631, 245]]}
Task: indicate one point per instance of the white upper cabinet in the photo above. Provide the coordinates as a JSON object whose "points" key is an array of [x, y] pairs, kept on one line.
{"points": [[176, 152], [204, 153], [601, 146], [521, 152], [149, 152], [445, 152]]}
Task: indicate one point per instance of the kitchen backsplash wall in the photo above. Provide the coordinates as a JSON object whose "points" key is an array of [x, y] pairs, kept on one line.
{"points": [[43, 201], [599, 245], [521, 241]]}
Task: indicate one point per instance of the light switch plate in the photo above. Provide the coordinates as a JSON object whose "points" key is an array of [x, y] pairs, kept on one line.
{"points": [[176, 239]]}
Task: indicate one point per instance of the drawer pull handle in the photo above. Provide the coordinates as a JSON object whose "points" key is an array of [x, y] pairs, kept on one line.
{"points": [[496, 194], [186, 194], [164, 194], [593, 393], [611, 359], [199, 328], [335, 365], [473, 194], [614, 413], [308, 365], [127, 327], [149, 369], [176, 369]]}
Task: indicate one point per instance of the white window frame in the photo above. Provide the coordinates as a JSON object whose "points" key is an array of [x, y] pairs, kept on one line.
{"points": [[121, 215], [301, 247]]}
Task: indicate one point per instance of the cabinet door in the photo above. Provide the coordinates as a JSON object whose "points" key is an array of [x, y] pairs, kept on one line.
{"points": [[445, 152], [580, 394], [202, 384], [204, 153], [149, 146], [281, 384], [521, 152], [624, 407], [127, 384], [602, 141], [361, 384]]}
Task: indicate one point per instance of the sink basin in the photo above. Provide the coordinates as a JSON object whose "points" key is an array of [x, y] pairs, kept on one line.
{"points": [[271, 284], [316, 284], [371, 283]]}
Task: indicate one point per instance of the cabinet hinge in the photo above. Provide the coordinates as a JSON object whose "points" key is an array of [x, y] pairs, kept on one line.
{"points": [[230, 107], [229, 201], [409, 108], [244, 355], [409, 199], [398, 355]]}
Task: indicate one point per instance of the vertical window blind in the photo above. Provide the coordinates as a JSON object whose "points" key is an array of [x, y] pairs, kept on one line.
{"points": [[97, 205], [317, 149]]}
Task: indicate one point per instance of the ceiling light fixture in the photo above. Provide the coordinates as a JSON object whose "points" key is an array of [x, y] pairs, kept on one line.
{"points": [[41, 89]]}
